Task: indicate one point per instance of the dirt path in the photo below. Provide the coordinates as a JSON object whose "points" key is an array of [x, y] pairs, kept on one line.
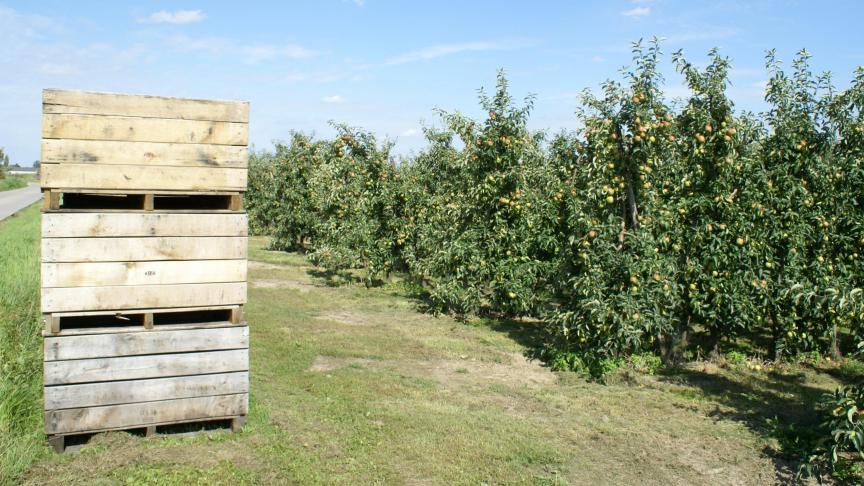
{"points": [[17, 199]]}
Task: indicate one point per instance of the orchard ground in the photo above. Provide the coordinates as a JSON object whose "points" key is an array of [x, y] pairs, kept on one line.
{"points": [[356, 386]]}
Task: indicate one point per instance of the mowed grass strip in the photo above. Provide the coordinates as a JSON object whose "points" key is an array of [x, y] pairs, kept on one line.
{"points": [[21, 437], [355, 386]]}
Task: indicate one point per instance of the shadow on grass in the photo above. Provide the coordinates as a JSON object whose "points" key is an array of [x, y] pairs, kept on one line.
{"points": [[778, 406]]}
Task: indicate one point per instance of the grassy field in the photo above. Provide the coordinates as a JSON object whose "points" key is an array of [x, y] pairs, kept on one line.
{"points": [[355, 386], [15, 182]]}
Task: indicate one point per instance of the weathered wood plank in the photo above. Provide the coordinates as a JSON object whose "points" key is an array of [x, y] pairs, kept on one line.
{"points": [[134, 391], [56, 151], [149, 342], [68, 299], [133, 129], [94, 274], [143, 414], [138, 177], [84, 102], [70, 225], [125, 249], [142, 367]]}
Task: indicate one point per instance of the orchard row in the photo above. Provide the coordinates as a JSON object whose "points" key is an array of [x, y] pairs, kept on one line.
{"points": [[666, 228]]}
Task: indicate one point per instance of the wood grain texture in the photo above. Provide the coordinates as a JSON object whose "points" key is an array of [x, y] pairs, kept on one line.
{"points": [[82, 225], [135, 391], [142, 343], [94, 274], [68, 299], [141, 367], [97, 152], [68, 250], [138, 177], [134, 129], [142, 414], [85, 102]]}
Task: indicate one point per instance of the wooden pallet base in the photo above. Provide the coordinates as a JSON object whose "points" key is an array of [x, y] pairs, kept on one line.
{"points": [[83, 322], [174, 429], [82, 200]]}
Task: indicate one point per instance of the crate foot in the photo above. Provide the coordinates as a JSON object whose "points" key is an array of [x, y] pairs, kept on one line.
{"points": [[150, 431], [237, 423], [58, 443]]}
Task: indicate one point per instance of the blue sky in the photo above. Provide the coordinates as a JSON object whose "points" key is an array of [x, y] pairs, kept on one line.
{"points": [[385, 65]]}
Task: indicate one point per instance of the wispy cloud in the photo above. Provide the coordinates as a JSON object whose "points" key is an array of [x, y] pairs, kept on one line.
{"points": [[442, 50], [637, 12], [411, 132], [333, 99], [359, 3], [260, 53], [175, 17], [248, 53], [598, 59]]}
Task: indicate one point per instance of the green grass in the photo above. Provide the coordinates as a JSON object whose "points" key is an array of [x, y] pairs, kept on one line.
{"points": [[15, 182], [355, 386], [21, 439]]}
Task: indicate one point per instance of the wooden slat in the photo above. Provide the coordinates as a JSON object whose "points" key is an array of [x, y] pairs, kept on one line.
{"points": [[55, 151], [134, 391], [149, 342], [157, 224], [84, 102], [143, 414], [133, 129], [142, 273], [138, 177], [68, 250], [68, 299], [141, 367]]}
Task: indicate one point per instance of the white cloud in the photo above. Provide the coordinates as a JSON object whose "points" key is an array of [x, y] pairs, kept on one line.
{"points": [[251, 54], [333, 99], [359, 3], [176, 17], [411, 132], [260, 53], [637, 12], [442, 50], [598, 59]]}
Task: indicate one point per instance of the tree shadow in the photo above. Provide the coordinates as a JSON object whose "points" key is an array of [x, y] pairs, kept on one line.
{"points": [[776, 406]]}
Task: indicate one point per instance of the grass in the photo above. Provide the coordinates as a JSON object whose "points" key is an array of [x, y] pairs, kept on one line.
{"points": [[21, 439], [355, 386], [15, 182]]}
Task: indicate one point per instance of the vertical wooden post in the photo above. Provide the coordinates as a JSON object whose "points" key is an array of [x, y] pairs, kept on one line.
{"points": [[148, 320], [237, 315], [51, 200], [52, 323], [237, 423], [148, 202], [150, 431], [58, 443], [236, 203]]}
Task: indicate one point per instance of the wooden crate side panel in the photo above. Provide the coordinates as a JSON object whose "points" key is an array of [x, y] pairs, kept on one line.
{"points": [[95, 274], [84, 102], [141, 367], [138, 177], [70, 299], [141, 343], [56, 151], [134, 129], [134, 391], [142, 414], [70, 250], [71, 225]]}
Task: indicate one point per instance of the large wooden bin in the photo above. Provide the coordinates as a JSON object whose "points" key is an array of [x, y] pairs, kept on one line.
{"points": [[144, 243]]}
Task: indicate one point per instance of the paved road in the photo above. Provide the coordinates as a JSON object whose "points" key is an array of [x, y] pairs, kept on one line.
{"points": [[13, 201]]}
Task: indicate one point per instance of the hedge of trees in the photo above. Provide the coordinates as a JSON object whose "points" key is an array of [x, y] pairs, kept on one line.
{"points": [[660, 227]]}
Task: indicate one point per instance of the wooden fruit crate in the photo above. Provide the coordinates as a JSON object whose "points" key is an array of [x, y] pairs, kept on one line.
{"points": [[144, 243]]}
